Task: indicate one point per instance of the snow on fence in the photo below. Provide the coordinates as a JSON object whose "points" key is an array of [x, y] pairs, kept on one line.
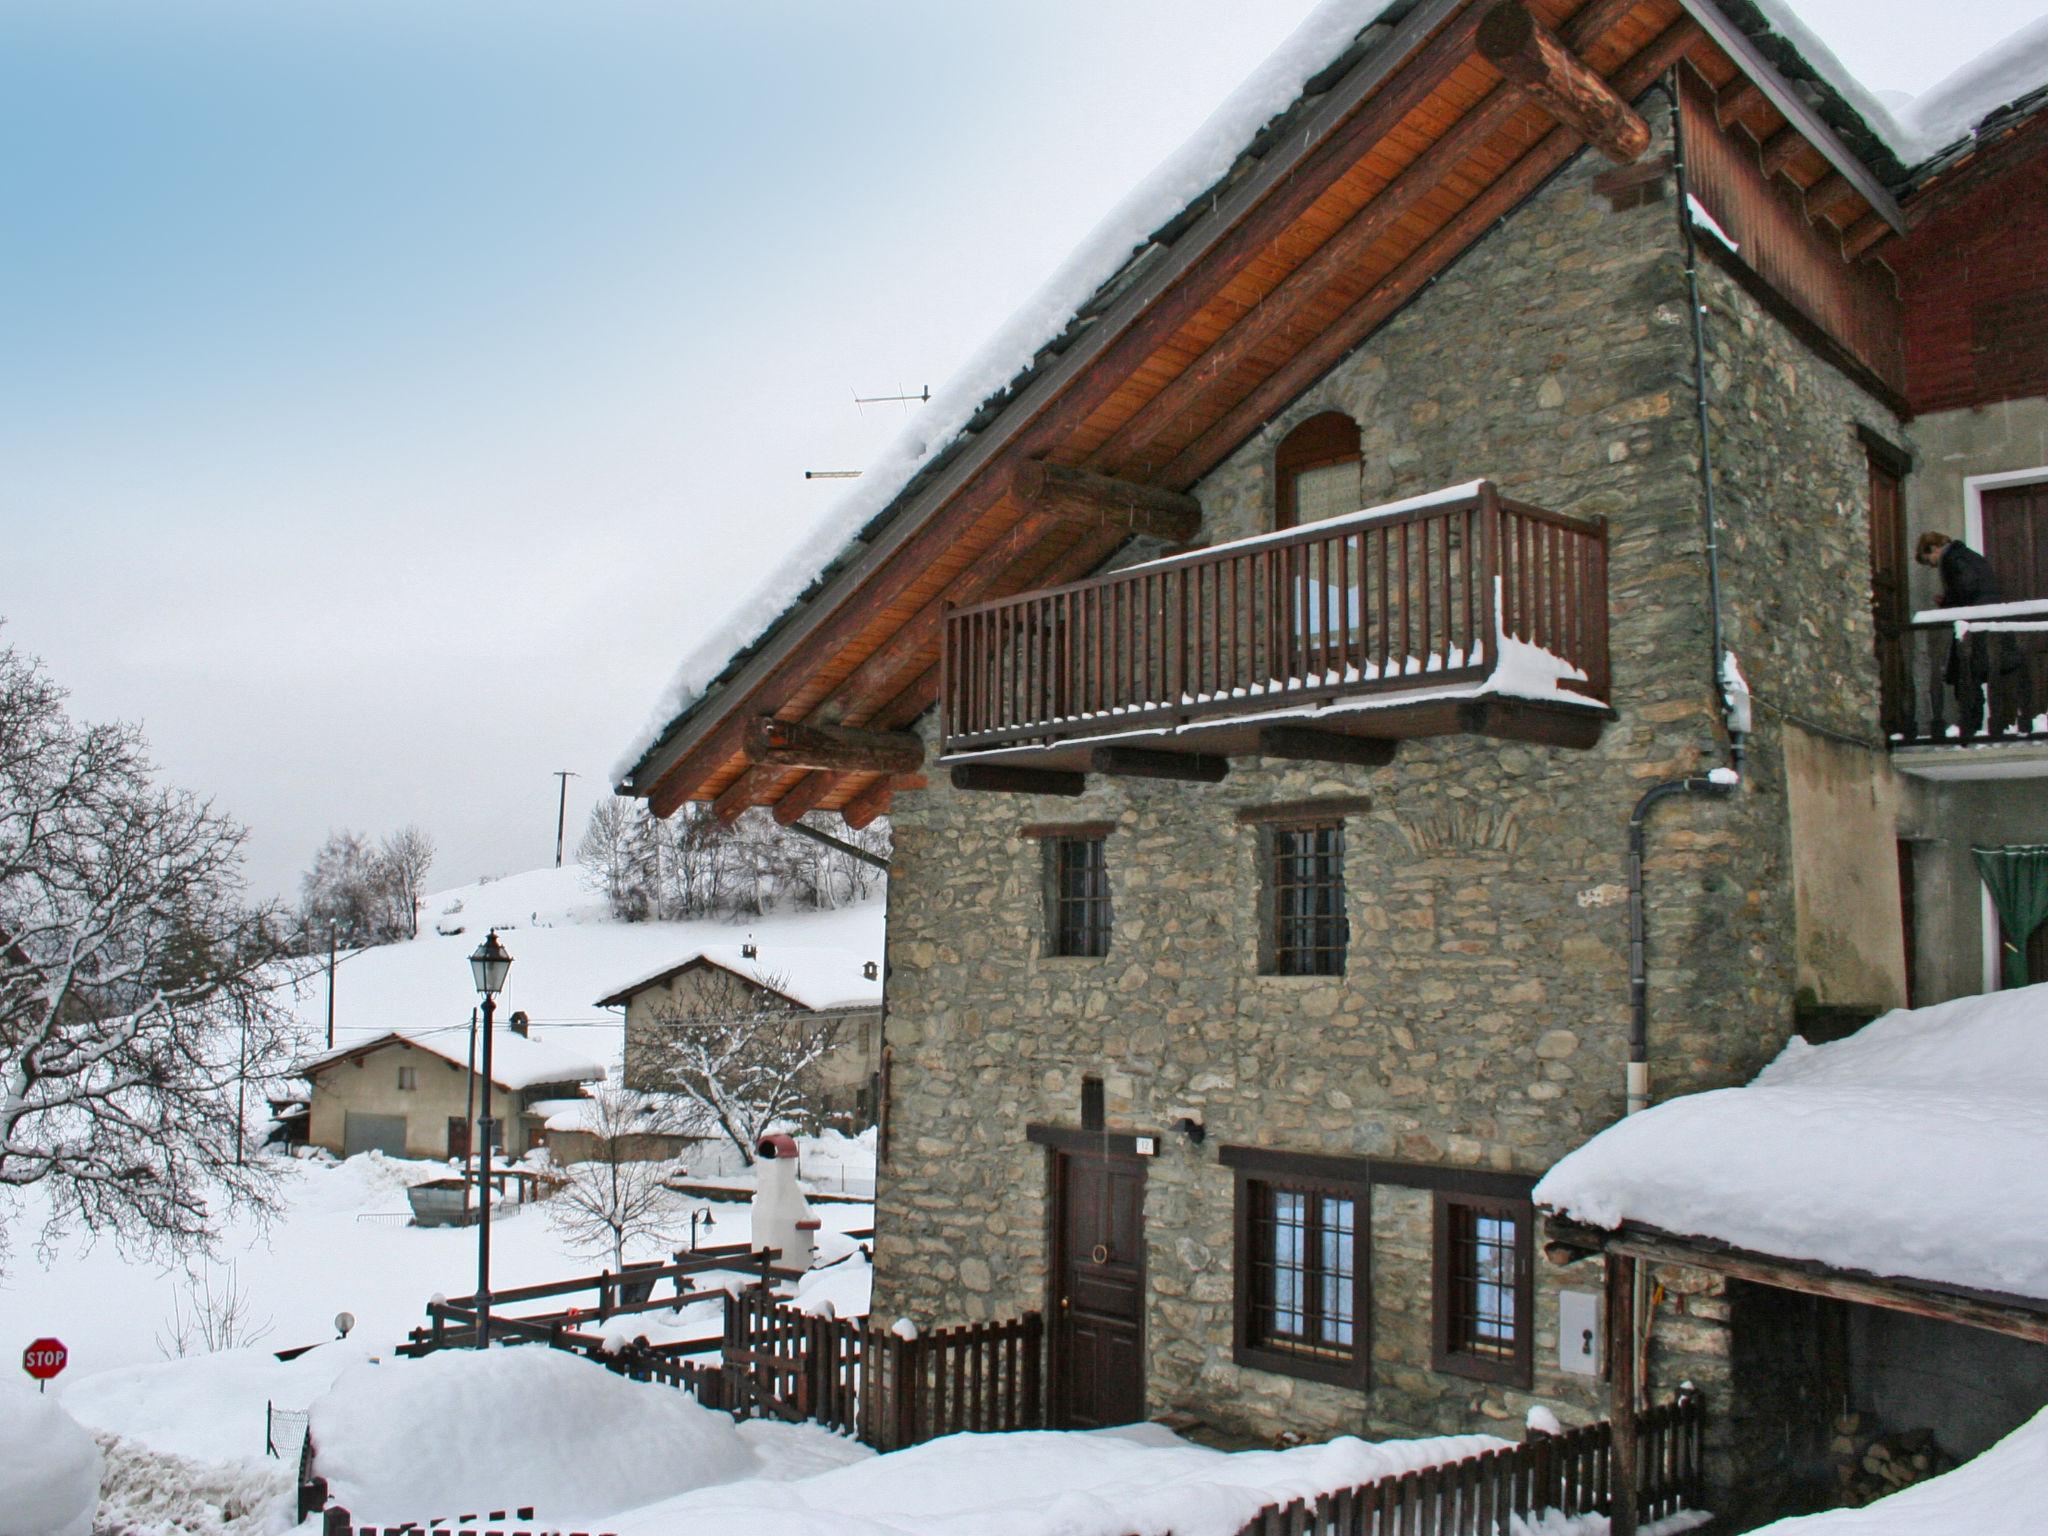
{"points": [[1572, 1473]]}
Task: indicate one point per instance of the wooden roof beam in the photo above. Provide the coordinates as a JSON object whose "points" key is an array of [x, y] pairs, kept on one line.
{"points": [[1828, 194], [837, 748], [1531, 56], [1742, 97], [1380, 303], [1863, 234], [877, 797], [1281, 310], [1097, 501], [803, 797], [1780, 150], [1152, 763]]}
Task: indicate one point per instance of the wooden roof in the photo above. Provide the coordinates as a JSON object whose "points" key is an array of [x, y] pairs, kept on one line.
{"points": [[1320, 234]]}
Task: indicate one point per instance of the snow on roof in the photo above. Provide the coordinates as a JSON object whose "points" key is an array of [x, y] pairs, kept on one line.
{"points": [[1178, 181], [1912, 132], [816, 978], [1995, 1494], [1922, 126], [1910, 1149], [516, 1061], [566, 951]]}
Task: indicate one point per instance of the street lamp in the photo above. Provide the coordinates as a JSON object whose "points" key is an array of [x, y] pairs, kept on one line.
{"points": [[488, 964]]}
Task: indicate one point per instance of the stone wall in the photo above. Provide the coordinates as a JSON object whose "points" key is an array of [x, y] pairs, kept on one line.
{"points": [[1483, 1017]]}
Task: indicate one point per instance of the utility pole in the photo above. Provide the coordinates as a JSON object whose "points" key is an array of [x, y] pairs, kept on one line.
{"points": [[562, 812], [330, 984]]}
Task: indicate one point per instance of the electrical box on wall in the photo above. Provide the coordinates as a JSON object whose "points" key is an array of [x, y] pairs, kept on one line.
{"points": [[1578, 1332]]}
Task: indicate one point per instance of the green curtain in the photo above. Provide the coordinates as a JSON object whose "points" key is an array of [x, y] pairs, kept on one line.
{"points": [[2018, 881]]}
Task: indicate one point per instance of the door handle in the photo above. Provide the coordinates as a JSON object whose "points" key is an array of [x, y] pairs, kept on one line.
{"points": [[1066, 1302]]}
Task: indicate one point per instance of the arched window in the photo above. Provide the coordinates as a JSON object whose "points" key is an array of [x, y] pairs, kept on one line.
{"points": [[1316, 471]]}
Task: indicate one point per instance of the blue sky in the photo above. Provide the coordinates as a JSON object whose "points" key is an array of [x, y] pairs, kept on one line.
{"points": [[395, 390]]}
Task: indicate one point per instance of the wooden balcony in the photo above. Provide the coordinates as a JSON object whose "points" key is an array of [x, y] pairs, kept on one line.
{"points": [[1459, 611]]}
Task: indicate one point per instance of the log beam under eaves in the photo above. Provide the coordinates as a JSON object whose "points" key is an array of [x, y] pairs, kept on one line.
{"points": [[1531, 56], [1100, 502], [835, 748]]}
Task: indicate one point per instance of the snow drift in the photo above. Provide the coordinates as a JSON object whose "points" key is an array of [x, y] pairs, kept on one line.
{"points": [[461, 1430], [1903, 1150], [49, 1467], [1997, 1494], [1121, 1482]]}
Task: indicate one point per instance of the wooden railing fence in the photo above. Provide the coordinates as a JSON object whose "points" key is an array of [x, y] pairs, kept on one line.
{"points": [[498, 1522], [1395, 601], [977, 1377], [1481, 1495]]}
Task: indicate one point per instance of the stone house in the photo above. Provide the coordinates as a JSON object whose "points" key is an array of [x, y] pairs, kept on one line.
{"points": [[412, 1095], [1419, 665], [822, 983]]}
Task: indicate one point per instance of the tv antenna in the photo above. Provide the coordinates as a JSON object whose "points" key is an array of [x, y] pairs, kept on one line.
{"points": [[919, 398]]}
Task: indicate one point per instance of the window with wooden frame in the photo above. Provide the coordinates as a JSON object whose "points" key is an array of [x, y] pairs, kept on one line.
{"points": [[408, 1079], [1317, 471], [1300, 1266], [1306, 930], [1078, 917], [1485, 1288]]}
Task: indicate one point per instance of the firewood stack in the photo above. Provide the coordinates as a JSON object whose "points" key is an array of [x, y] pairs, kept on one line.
{"points": [[1869, 1465]]}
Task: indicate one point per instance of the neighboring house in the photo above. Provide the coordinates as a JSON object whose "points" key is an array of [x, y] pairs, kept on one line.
{"points": [[412, 1096], [718, 981], [1301, 634]]}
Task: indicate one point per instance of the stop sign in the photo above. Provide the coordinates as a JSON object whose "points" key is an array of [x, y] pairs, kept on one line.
{"points": [[44, 1358]]}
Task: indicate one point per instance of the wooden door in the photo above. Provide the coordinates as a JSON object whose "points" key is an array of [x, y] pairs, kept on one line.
{"points": [[1098, 1290], [458, 1136], [2016, 544]]}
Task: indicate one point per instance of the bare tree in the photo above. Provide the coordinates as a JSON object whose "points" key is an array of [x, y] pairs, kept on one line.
{"points": [[742, 1055], [209, 1314], [404, 860], [619, 1193], [138, 990]]}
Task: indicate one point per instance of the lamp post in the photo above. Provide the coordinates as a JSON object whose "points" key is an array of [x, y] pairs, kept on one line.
{"points": [[488, 964]]}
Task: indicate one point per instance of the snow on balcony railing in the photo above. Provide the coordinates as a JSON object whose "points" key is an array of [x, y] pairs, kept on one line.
{"points": [[1453, 594]]}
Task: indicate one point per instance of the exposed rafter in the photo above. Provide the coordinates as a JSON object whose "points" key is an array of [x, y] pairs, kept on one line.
{"points": [[1532, 57], [1303, 744], [838, 748], [1099, 502]]}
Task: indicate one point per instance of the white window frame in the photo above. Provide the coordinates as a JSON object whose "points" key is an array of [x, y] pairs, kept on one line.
{"points": [[1974, 487]]}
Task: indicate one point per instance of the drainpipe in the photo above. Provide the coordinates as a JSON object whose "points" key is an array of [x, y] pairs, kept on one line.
{"points": [[1719, 781]]}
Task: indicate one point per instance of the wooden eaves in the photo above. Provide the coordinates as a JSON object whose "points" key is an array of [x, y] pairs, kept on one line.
{"points": [[2020, 1317], [1395, 162]]}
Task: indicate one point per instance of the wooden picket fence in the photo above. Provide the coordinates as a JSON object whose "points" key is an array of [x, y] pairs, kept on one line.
{"points": [[1480, 1495], [891, 1392]]}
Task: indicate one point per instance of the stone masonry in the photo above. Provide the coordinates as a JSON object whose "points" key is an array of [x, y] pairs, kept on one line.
{"points": [[1482, 1018]]}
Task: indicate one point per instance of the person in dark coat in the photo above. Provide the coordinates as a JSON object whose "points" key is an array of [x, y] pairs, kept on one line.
{"points": [[1967, 581]]}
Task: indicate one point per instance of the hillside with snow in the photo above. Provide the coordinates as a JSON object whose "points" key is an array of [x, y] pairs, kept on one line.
{"points": [[567, 952]]}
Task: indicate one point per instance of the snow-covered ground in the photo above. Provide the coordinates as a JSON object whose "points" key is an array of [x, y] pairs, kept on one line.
{"points": [[2003, 1492]]}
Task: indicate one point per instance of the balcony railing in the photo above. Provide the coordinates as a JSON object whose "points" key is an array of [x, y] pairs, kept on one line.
{"points": [[1967, 676], [1420, 599]]}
